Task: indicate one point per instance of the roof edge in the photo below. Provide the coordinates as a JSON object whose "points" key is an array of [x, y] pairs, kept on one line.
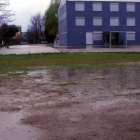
{"points": [[133, 1]]}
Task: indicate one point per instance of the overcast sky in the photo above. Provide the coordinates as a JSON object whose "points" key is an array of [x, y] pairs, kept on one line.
{"points": [[24, 9]]}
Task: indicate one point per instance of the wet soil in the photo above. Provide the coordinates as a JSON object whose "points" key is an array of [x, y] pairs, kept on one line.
{"points": [[63, 103]]}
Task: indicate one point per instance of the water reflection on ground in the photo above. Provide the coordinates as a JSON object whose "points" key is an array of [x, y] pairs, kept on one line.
{"points": [[110, 80]]}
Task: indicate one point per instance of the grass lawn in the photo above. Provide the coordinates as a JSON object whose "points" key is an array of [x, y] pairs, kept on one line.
{"points": [[96, 60]]}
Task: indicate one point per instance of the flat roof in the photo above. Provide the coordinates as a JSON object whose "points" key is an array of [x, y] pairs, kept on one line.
{"points": [[108, 0]]}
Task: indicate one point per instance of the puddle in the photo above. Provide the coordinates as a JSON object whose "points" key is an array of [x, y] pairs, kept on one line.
{"points": [[12, 129], [17, 73], [3, 75], [37, 72]]}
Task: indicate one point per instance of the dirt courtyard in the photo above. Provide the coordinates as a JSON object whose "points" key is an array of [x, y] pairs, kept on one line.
{"points": [[64, 103]]}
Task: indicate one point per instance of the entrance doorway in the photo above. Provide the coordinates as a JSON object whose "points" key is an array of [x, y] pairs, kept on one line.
{"points": [[115, 38], [89, 38], [106, 38]]}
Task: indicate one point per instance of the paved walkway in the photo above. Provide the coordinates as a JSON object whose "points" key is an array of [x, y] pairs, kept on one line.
{"points": [[35, 49], [95, 49], [28, 49]]}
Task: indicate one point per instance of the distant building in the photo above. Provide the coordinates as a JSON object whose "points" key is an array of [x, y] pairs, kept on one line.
{"points": [[19, 33], [99, 22], [24, 36]]}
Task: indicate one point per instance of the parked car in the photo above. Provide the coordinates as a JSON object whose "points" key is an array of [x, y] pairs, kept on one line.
{"points": [[44, 42], [24, 43]]}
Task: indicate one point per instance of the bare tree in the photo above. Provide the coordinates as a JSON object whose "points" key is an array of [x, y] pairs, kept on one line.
{"points": [[36, 27], [5, 12]]}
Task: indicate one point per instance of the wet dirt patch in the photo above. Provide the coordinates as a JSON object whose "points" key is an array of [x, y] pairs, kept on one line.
{"points": [[67, 104], [9, 109]]}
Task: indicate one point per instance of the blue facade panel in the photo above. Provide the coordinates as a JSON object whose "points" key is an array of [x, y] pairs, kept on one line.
{"points": [[122, 38], [96, 42], [76, 35]]}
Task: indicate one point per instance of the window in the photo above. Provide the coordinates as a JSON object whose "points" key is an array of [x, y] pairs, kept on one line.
{"points": [[131, 36], [97, 6], [80, 21], [130, 7], [97, 36], [114, 7], [130, 21], [79, 6], [97, 21], [114, 21]]}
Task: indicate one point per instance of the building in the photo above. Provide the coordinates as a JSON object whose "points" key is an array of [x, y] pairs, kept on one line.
{"points": [[24, 36], [18, 34], [99, 22]]}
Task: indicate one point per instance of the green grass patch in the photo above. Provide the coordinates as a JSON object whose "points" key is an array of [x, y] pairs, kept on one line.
{"points": [[79, 60]]}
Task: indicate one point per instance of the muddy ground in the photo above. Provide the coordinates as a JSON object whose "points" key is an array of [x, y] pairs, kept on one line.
{"points": [[63, 103]]}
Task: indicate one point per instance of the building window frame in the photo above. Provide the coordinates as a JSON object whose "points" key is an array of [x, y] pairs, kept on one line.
{"points": [[113, 8], [95, 23], [128, 9], [77, 23], [97, 36], [77, 9], [131, 36], [116, 24], [97, 6], [128, 21]]}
